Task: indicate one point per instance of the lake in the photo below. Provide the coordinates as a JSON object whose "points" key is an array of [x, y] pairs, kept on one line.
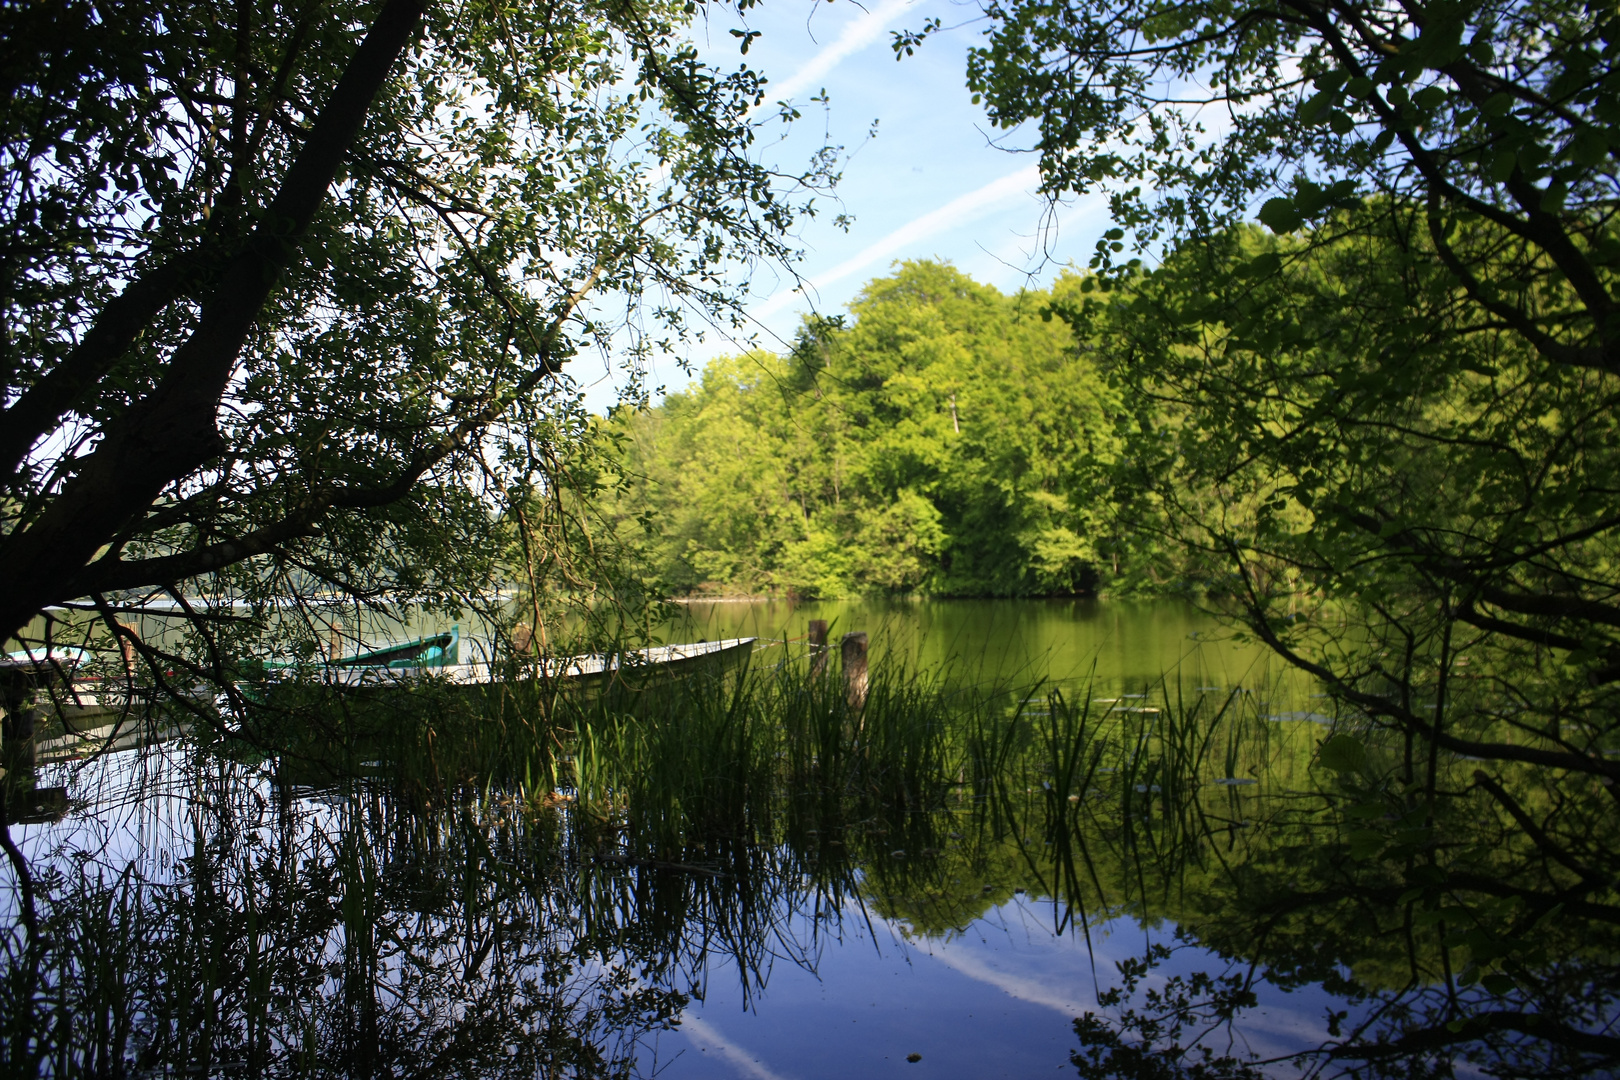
{"points": [[1059, 837], [1061, 641]]}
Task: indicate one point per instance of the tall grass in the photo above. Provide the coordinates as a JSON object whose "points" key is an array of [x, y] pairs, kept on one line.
{"points": [[429, 874]]}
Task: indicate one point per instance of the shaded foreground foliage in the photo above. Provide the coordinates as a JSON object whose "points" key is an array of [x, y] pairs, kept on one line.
{"points": [[458, 893], [289, 290]]}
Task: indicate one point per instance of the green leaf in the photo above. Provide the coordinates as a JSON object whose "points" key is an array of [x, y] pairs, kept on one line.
{"points": [[1261, 266], [1310, 199], [1430, 98], [1343, 753], [1588, 147], [1280, 216], [1502, 165], [1426, 875], [1364, 843], [1313, 109], [1498, 983]]}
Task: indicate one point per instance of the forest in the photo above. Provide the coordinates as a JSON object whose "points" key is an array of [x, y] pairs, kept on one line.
{"points": [[947, 440], [350, 726]]}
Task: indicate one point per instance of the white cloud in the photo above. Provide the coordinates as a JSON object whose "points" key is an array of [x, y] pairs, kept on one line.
{"points": [[857, 34], [953, 215], [704, 1037], [1018, 986]]}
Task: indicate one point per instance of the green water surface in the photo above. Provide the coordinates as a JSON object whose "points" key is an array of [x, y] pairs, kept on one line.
{"points": [[1057, 838], [1064, 642]]}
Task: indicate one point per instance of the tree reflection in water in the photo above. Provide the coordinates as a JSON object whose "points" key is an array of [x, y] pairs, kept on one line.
{"points": [[197, 914], [240, 924]]}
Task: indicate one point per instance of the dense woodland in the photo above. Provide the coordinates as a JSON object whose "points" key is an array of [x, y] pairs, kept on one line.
{"points": [[943, 439]]}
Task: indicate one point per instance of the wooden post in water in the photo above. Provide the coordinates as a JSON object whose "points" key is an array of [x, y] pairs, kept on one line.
{"points": [[17, 727], [818, 647], [854, 650], [126, 647]]}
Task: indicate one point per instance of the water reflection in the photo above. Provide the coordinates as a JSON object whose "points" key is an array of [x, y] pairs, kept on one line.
{"points": [[203, 916], [749, 879], [1064, 641]]}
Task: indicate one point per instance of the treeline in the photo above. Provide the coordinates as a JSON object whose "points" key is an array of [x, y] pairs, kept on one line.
{"points": [[945, 439]]}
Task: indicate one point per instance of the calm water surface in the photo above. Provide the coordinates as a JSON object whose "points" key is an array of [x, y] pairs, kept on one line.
{"points": [[1067, 642], [246, 914]]}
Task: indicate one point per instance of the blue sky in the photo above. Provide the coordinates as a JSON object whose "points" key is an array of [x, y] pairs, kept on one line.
{"points": [[933, 183]]}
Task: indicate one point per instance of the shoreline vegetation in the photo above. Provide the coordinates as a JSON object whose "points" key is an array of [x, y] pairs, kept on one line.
{"points": [[944, 439], [307, 338], [494, 852]]}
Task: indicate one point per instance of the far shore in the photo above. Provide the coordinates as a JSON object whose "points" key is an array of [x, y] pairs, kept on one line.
{"points": [[730, 599]]}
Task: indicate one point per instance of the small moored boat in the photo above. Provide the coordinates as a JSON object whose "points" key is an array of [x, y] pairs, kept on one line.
{"points": [[439, 657]]}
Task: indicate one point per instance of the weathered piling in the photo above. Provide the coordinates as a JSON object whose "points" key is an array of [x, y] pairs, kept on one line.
{"points": [[17, 726], [818, 647], [854, 657]]}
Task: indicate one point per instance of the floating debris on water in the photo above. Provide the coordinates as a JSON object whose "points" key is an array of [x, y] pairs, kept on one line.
{"points": [[1312, 717]]}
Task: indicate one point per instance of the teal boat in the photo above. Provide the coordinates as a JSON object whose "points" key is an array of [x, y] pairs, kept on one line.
{"points": [[435, 651], [439, 656], [440, 650]]}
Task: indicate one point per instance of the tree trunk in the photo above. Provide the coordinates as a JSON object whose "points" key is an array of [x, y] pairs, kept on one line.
{"points": [[173, 431]]}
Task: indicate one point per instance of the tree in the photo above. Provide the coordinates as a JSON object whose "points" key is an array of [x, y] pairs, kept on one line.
{"points": [[934, 443], [1406, 407], [1500, 113], [289, 312]]}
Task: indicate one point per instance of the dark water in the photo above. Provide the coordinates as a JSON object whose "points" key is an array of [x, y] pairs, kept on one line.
{"points": [[1061, 641], [1174, 870]]}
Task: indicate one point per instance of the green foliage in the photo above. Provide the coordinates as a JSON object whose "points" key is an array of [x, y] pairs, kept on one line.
{"points": [[288, 315], [1343, 753], [1396, 409], [1411, 505], [1448, 113], [948, 440]]}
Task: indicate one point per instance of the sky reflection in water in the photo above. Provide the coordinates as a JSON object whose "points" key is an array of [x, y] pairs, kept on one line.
{"points": [[849, 992], [996, 1000]]}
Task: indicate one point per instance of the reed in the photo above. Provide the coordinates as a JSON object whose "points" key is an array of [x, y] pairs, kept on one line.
{"points": [[536, 868]]}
